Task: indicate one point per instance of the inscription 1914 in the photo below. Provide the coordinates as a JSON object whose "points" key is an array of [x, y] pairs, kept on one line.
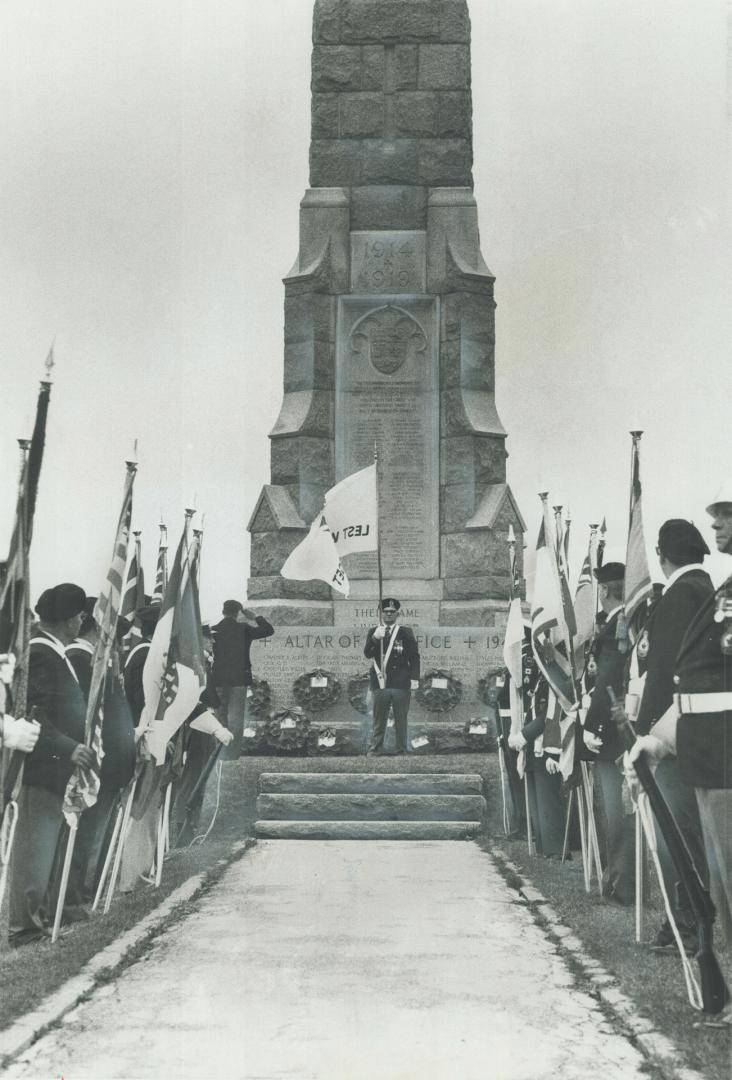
{"points": [[388, 262]]}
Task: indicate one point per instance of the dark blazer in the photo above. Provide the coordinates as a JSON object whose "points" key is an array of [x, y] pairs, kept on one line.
{"points": [[611, 663], [60, 710], [704, 740], [232, 641], [403, 664], [664, 631], [133, 679], [118, 729]]}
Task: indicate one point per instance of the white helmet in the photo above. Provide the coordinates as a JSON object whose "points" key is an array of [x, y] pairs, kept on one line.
{"points": [[724, 495]]}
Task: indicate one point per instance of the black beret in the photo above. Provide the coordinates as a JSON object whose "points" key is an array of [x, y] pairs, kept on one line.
{"points": [[61, 602], [611, 571], [390, 602], [681, 542], [232, 607]]}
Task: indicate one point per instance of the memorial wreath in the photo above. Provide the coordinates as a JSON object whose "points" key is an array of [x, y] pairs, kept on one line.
{"points": [[316, 690], [358, 693], [259, 698], [439, 691], [288, 731]]}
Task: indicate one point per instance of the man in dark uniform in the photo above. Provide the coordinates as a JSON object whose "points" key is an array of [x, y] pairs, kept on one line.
{"points": [[543, 782], [394, 673], [602, 740], [53, 690], [697, 726], [680, 549], [232, 666]]}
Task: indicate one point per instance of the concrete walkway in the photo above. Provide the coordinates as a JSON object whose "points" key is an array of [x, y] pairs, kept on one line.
{"points": [[344, 960]]}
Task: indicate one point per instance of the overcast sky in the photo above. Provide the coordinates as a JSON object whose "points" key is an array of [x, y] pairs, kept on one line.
{"points": [[154, 157]]}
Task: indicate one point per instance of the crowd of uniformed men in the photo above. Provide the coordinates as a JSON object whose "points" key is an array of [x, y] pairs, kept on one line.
{"points": [[674, 677], [53, 744]]}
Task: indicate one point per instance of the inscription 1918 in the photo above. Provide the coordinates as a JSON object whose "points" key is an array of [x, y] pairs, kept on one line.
{"points": [[388, 262]]}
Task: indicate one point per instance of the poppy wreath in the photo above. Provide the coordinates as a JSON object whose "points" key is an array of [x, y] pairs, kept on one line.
{"points": [[288, 731], [358, 688], [439, 698], [260, 699], [480, 734], [316, 698], [488, 688]]}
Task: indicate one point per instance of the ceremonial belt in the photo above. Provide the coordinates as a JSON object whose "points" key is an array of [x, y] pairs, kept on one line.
{"points": [[703, 703], [381, 675]]}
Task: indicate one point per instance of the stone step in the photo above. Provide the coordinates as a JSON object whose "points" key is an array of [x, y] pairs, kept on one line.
{"points": [[371, 783], [349, 807], [367, 830]]}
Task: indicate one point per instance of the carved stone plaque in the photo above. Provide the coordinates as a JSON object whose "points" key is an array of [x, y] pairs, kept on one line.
{"points": [[388, 262], [387, 394]]}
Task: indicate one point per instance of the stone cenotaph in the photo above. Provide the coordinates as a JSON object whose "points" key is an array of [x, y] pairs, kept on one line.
{"points": [[389, 341]]}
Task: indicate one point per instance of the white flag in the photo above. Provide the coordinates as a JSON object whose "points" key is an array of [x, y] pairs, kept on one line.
{"points": [[351, 512], [316, 557], [514, 640]]}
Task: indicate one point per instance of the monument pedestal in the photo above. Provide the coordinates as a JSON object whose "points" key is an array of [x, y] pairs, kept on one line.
{"points": [[389, 342]]}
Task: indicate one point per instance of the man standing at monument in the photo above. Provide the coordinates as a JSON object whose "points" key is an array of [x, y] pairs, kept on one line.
{"points": [[232, 667], [394, 657]]}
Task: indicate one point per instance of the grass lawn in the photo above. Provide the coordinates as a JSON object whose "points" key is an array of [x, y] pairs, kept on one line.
{"points": [[654, 982]]}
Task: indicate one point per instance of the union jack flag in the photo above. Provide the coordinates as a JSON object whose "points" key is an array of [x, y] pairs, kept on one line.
{"points": [[161, 570], [83, 787]]}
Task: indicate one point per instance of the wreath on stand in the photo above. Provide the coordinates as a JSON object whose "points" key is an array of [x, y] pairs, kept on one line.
{"points": [[316, 690], [439, 691], [259, 698], [288, 731], [358, 691]]}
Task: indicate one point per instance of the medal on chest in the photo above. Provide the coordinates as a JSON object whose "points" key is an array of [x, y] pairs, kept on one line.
{"points": [[644, 644]]}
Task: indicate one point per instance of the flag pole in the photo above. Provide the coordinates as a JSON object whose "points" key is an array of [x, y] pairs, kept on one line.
{"points": [[70, 844], [378, 534], [378, 563], [108, 857]]}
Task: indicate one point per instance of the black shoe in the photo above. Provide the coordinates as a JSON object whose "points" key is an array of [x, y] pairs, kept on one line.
{"points": [[27, 937], [665, 942]]}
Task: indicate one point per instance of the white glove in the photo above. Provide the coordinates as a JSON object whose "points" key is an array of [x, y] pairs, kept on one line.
{"points": [[552, 766], [223, 735], [7, 667], [592, 742], [516, 742], [379, 632], [414, 684], [653, 748], [19, 734]]}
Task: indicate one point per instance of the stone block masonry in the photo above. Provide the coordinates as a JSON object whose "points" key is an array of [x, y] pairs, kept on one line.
{"points": [[390, 332]]}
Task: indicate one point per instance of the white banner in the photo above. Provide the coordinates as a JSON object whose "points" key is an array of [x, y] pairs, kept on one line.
{"points": [[351, 512], [316, 558]]}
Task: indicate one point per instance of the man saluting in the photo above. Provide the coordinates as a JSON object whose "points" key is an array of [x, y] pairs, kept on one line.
{"points": [[394, 657]]}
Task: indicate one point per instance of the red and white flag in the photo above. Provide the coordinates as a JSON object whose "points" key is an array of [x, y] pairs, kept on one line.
{"points": [[638, 585], [175, 673]]}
